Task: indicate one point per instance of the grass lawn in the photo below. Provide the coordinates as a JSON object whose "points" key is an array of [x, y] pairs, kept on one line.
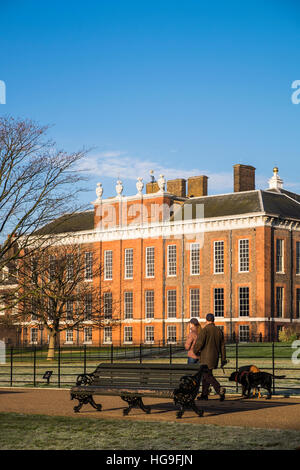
{"points": [[39, 432]]}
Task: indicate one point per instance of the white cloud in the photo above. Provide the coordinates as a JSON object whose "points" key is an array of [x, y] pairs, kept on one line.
{"points": [[118, 164]]}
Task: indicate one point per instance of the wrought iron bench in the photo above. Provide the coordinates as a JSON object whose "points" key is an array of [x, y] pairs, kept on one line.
{"points": [[132, 382]]}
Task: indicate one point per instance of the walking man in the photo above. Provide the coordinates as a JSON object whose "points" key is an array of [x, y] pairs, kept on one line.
{"points": [[209, 346]]}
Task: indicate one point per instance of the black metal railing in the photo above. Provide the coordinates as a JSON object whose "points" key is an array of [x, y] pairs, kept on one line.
{"points": [[25, 366]]}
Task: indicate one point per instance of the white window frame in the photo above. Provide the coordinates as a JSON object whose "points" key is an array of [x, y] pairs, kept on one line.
{"points": [[244, 288], [128, 263], [128, 334], [281, 244], [193, 313], [149, 307], [217, 258], [242, 330], [172, 260], [150, 261], [88, 270], [171, 304], [88, 335], [88, 307], [149, 331], [35, 334], [297, 258], [215, 302], [107, 335], [244, 258], [282, 301], [107, 296], [171, 328], [108, 265], [128, 302], [69, 336], [194, 262]]}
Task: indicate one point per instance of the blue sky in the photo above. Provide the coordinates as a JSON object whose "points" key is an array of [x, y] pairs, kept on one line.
{"points": [[180, 87]]}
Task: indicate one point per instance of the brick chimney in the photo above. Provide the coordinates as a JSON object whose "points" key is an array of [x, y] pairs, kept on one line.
{"points": [[177, 187], [152, 187], [244, 178], [197, 186]]}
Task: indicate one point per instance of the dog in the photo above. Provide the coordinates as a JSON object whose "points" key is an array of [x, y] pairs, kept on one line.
{"points": [[250, 377], [184, 395]]}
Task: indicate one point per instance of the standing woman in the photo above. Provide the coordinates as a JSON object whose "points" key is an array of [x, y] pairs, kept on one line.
{"points": [[195, 328]]}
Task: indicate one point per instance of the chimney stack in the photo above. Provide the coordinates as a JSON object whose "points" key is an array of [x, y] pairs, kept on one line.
{"points": [[177, 187], [197, 186], [244, 178]]}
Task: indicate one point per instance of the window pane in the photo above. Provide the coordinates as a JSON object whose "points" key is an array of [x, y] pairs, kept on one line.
{"points": [[149, 334], [244, 301], [128, 304], [279, 301], [127, 334], [149, 304], [279, 256], [195, 258], [108, 264], [150, 261], [219, 302], [129, 263], [171, 334], [219, 257], [298, 257], [107, 299], [171, 303], [243, 255], [194, 302], [172, 260], [88, 265]]}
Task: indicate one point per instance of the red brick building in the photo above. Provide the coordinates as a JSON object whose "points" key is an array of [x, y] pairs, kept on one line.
{"points": [[176, 252]]}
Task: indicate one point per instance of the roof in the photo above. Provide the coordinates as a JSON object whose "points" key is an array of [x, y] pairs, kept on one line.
{"points": [[77, 222], [279, 203]]}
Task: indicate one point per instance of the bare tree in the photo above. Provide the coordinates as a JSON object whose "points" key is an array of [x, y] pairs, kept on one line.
{"points": [[58, 290], [37, 184]]}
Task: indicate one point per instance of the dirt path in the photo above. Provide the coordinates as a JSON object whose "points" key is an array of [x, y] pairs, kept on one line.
{"points": [[277, 413]]}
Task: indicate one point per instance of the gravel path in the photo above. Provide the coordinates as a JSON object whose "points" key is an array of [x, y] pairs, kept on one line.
{"points": [[277, 413]]}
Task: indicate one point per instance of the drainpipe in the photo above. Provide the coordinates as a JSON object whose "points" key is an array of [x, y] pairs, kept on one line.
{"points": [[291, 275], [230, 281], [182, 287]]}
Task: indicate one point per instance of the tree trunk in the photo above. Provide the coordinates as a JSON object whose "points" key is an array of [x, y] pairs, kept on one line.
{"points": [[51, 348]]}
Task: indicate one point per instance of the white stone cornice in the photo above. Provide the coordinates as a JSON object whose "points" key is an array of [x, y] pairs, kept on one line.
{"points": [[192, 227]]}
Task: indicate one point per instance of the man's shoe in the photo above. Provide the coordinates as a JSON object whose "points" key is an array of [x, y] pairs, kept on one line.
{"points": [[222, 393], [202, 397]]}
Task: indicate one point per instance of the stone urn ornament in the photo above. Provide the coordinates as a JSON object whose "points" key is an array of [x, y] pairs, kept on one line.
{"points": [[99, 191], [140, 185], [161, 183], [119, 188]]}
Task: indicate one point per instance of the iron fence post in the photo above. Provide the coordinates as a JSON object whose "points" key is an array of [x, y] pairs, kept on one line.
{"points": [[170, 353], [34, 366], [140, 353], [58, 366], [273, 365], [11, 366], [236, 361], [84, 359], [111, 353]]}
